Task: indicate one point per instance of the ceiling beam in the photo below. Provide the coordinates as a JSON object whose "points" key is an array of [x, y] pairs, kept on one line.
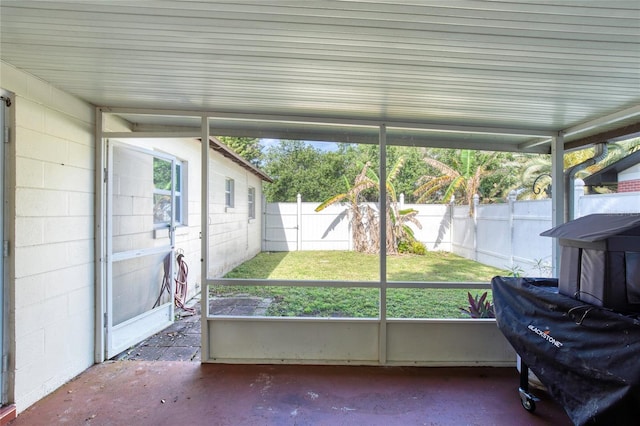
{"points": [[604, 136], [603, 121], [334, 121], [625, 130]]}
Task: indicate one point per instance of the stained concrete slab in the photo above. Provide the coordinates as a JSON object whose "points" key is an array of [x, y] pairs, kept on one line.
{"points": [[178, 342], [187, 393], [182, 340], [160, 388]]}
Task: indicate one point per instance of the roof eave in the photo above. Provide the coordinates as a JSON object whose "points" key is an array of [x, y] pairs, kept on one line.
{"points": [[227, 152]]}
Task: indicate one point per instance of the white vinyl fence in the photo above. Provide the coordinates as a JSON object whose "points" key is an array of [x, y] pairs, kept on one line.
{"points": [[297, 226], [504, 235]]}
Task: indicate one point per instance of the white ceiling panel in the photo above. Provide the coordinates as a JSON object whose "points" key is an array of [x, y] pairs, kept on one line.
{"points": [[538, 66]]}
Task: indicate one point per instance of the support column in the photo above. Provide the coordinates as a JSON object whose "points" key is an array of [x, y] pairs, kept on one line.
{"points": [[452, 211], [382, 352], [204, 240], [578, 193], [476, 201], [512, 200], [299, 222], [557, 195], [100, 239]]}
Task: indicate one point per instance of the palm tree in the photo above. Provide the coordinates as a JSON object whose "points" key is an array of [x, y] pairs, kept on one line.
{"points": [[397, 220], [462, 178], [535, 179], [536, 171], [365, 222], [361, 216]]}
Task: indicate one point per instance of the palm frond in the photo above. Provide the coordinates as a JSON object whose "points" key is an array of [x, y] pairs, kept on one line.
{"points": [[408, 212], [391, 191], [452, 188], [330, 201], [423, 192], [441, 167], [395, 171], [466, 159], [373, 176], [409, 215], [360, 186], [347, 184], [408, 232]]}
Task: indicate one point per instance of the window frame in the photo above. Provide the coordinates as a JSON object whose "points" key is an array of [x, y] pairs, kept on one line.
{"points": [[251, 202], [179, 175], [179, 196], [229, 193]]}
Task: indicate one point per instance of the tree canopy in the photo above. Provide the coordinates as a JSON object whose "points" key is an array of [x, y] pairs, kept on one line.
{"points": [[299, 168], [247, 148], [428, 175]]}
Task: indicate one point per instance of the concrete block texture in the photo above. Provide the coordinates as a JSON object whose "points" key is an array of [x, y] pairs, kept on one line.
{"points": [[51, 236]]}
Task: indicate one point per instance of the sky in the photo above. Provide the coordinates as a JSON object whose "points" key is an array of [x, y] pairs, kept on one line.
{"points": [[323, 146]]}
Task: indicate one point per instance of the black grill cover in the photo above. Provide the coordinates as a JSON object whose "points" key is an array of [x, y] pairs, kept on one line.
{"points": [[588, 357]]}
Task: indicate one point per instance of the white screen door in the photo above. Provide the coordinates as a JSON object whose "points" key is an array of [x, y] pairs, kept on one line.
{"points": [[140, 242], [4, 103]]}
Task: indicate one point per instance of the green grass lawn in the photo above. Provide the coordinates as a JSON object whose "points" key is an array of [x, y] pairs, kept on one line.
{"points": [[359, 302]]}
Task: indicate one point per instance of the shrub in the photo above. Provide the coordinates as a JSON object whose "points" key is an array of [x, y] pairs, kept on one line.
{"points": [[418, 248], [479, 306], [413, 247]]}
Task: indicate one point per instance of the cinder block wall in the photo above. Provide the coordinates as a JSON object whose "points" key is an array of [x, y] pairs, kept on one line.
{"points": [[187, 234], [51, 212], [233, 238]]}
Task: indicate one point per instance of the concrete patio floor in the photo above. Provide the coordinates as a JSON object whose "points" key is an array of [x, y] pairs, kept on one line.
{"points": [[161, 382], [175, 392], [181, 341]]}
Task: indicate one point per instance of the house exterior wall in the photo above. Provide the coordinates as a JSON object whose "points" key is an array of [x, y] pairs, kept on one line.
{"points": [[50, 188], [629, 186], [187, 234], [50, 227], [233, 237], [629, 180]]}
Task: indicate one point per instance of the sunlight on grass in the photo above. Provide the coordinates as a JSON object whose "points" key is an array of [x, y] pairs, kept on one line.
{"points": [[310, 265], [358, 302]]}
